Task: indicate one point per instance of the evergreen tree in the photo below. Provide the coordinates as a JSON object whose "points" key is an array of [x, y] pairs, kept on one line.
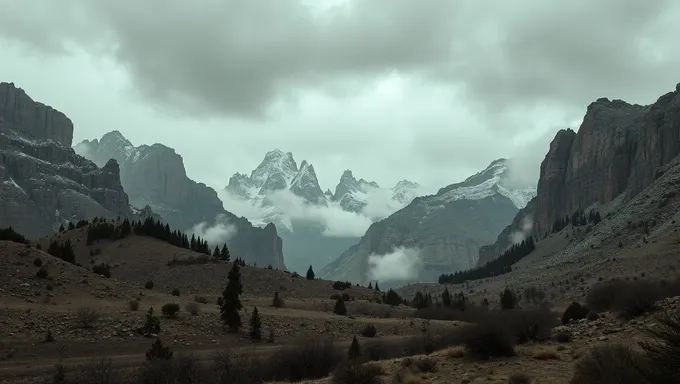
{"points": [[508, 299], [392, 298], [231, 303], [354, 349], [339, 308], [61, 228], [459, 301], [370, 285], [310, 273], [192, 244], [420, 301], [255, 325], [216, 253], [446, 297], [152, 325], [377, 289], [278, 301], [224, 253], [71, 226]]}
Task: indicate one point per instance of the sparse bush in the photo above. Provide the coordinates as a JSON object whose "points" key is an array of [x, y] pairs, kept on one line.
{"points": [[455, 352], [592, 316], [369, 331], [354, 349], [49, 337], [159, 351], [87, 317], [342, 285], [628, 298], [175, 292], [201, 299], [353, 373], [152, 325], [307, 360], [133, 305], [425, 364], [37, 262], [255, 325], [486, 341], [574, 311], [102, 270], [98, 371], [564, 336], [610, 364], [545, 353], [277, 302], [42, 272], [170, 309], [519, 378], [149, 285], [192, 308], [663, 350]]}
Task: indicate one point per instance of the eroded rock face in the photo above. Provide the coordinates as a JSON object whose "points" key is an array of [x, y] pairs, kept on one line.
{"points": [[154, 175], [43, 182], [617, 150]]}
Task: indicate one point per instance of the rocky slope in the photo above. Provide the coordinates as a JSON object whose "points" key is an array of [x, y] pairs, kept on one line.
{"points": [[615, 154], [443, 231], [154, 175], [353, 195], [43, 182]]}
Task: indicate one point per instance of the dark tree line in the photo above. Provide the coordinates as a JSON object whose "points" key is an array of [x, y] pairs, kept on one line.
{"points": [[577, 219], [62, 251], [9, 234], [110, 230], [503, 264]]}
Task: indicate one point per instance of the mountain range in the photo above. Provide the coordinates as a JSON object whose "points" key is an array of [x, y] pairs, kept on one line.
{"points": [[291, 197], [435, 233]]}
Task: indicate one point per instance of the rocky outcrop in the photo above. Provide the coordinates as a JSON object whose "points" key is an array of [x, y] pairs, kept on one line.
{"points": [[435, 234], [18, 110], [43, 182], [154, 175], [617, 152]]}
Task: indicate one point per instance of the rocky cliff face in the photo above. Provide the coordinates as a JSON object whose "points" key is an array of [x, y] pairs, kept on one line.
{"points": [[154, 175], [437, 233], [43, 182], [616, 152]]}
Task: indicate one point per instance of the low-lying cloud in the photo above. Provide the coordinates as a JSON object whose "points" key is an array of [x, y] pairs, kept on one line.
{"points": [[284, 207], [526, 226], [401, 264], [216, 234]]}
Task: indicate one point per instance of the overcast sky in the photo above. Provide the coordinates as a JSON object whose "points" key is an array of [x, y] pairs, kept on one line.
{"points": [[428, 90]]}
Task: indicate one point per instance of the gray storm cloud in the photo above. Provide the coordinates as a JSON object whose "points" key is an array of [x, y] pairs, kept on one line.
{"points": [[400, 264]]}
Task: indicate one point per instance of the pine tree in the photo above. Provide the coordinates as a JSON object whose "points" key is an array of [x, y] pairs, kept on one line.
{"points": [[377, 289], [508, 299], [446, 297], [216, 253], [370, 285], [224, 253], [310, 273], [61, 228], [255, 325], [354, 349], [152, 325], [277, 302], [340, 308], [231, 303]]}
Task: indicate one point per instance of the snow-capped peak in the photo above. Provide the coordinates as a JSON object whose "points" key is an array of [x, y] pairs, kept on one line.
{"points": [[405, 191], [492, 180]]}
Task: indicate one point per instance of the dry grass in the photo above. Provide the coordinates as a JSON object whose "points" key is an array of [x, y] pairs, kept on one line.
{"points": [[455, 352], [543, 352]]}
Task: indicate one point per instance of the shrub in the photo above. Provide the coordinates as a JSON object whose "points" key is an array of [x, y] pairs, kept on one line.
{"points": [[307, 360], [342, 285], [545, 353], [574, 311], [102, 270], [484, 341], [592, 316], [663, 350], [277, 301], [37, 262], [201, 299], [425, 364], [527, 324], [369, 331], [392, 298], [563, 336], [609, 364], [152, 324], [148, 285], [340, 308], [353, 373], [87, 317], [170, 309], [354, 349], [628, 298], [192, 308], [519, 378], [133, 305], [159, 351], [455, 352], [175, 292], [508, 299], [49, 337], [42, 272]]}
